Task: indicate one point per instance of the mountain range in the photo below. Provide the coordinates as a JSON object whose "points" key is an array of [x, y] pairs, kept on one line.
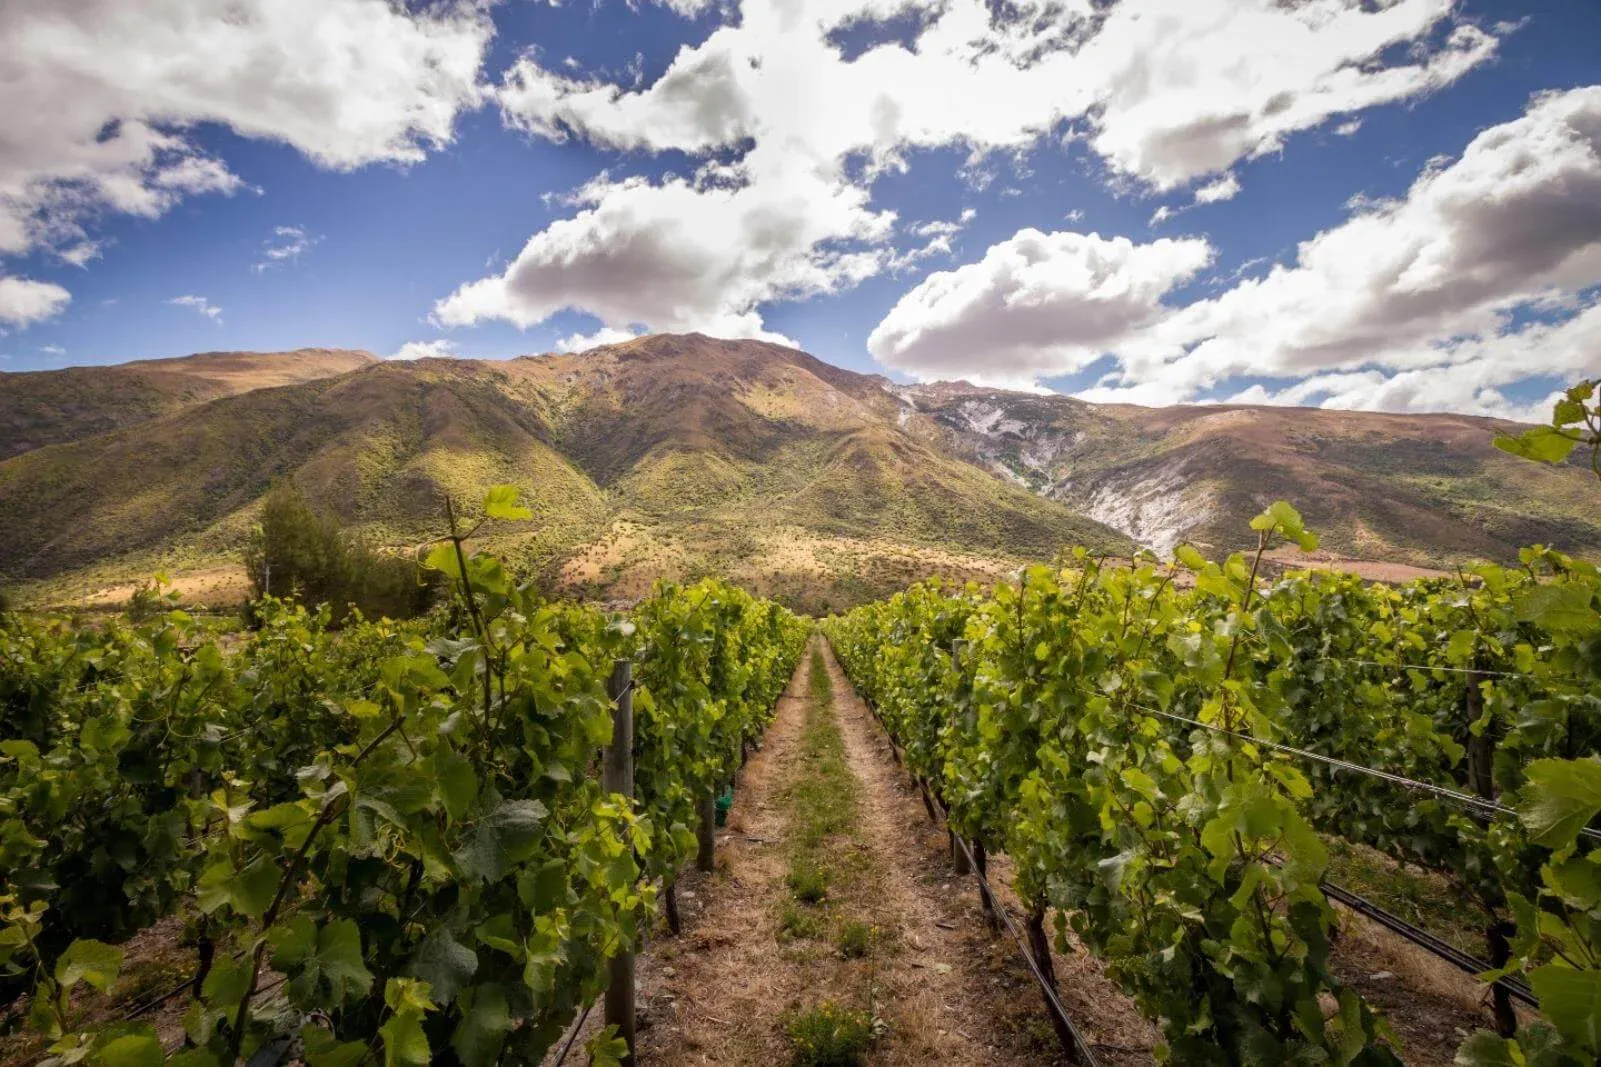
{"points": [[676, 455]]}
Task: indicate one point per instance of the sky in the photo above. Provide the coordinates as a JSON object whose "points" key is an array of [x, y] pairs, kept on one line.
{"points": [[1376, 204]]}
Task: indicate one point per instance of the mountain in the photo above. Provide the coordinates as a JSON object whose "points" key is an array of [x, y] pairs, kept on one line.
{"points": [[682, 455], [1423, 489], [41, 408], [665, 455]]}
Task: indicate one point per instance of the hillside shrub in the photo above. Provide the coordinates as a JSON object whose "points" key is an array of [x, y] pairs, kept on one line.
{"points": [[299, 551]]}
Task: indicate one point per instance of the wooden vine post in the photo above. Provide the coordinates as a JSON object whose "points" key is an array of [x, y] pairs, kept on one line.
{"points": [[705, 856], [617, 776]]}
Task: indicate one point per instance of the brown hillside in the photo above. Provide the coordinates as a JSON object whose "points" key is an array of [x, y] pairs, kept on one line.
{"points": [[667, 456], [51, 407], [1424, 489]]}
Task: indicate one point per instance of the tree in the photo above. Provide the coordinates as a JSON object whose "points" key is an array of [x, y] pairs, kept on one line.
{"points": [[298, 551]]}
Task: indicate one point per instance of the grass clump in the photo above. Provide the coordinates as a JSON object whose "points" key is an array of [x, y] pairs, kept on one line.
{"points": [[799, 924], [809, 883], [831, 1036], [855, 940]]}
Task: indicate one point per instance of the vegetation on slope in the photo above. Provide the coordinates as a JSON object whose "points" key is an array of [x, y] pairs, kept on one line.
{"points": [[729, 455], [52, 407]]}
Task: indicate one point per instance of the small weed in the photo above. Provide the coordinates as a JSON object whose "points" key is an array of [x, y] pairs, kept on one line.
{"points": [[798, 924], [831, 1036], [856, 940], [809, 883]]}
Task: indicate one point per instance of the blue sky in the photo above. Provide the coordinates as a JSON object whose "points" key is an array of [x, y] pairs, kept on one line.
{"points": [[1347, 188]]}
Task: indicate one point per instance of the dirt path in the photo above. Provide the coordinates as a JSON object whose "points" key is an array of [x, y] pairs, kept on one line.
{"points": [[751, 958], [948, 905]]}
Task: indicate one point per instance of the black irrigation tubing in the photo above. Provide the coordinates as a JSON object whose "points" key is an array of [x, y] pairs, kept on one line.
{"points": [[1085, 1051], [1515, 987], [1483, 805], [578, 1028]]}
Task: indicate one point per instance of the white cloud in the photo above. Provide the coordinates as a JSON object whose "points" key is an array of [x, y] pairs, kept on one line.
{"points": [[53, 350], [792, 132], [286, 245], [24, 301], [199, 304], [1225, 187], [583, 342], [1037, 304], [103, 94], [680, 255], [1484, 275], [1189, 87], [440, 349], [1173, 90]]}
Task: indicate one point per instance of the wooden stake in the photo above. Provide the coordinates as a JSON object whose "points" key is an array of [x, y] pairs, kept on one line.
{"points": [[706, 856]]}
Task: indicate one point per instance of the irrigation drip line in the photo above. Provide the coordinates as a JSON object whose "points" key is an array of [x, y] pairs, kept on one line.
{"points": [[1515, 987], [578, 1028], [1028, 958]]}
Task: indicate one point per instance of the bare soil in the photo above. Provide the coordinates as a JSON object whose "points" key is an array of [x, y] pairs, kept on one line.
{"points": [[949, 991], [936, 899], [1431, 1005]]}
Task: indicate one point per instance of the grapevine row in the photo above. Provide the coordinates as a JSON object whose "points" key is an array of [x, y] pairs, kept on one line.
{"points": [[1044, 715], [404, 821]]}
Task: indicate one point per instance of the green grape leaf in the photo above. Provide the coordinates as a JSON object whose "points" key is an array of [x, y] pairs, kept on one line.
{"points": [[1484, 1049], [442, 558], [458, 784], [501, 503], [251, 890], [1571, 999], [507, 836], [1558, 606], [87, 960], [1544, 444], [323, 1049], [484, 1024], [129, 1045], [1559, 799], [405, 1044], [445, 964], [606, 1049], [322, 961]]}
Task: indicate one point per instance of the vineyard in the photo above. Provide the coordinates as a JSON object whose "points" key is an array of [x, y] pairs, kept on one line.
{"points": [[1164, 751], [445, 840], [399, 830]]}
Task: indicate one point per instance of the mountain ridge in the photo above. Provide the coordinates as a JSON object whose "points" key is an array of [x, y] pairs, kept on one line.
{"points": [[674, 455], [40, 408]]}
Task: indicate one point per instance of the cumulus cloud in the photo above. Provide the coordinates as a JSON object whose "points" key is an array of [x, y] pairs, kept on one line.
{"points": [[103, 96], [791, 131], [199, 304], [583, 342], [1036, 304], [1484, 275], [24, 301], [439, 349], [1223, 188], [679, 255], [286, 245], [1173, 90]]}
